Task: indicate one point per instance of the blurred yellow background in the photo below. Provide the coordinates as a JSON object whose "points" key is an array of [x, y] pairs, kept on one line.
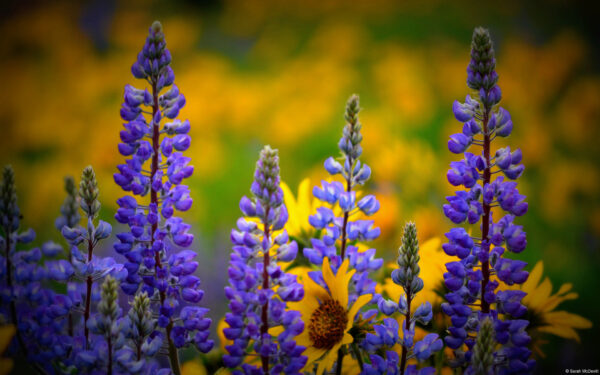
{"points": [[279, 73]]}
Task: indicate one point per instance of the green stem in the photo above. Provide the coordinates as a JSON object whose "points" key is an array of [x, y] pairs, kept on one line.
{"points": [[340, 360], [407, 326], [485, 225], [359, 358]]}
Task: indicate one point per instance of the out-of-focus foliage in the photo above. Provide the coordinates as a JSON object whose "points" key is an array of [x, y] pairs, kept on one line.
{"points": [[279, 73]]}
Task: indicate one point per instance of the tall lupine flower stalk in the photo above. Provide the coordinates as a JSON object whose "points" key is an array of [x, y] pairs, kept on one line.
{"points": [[469, 279], [154, 262], [10, 217], [386, 335], [88, 267], [259, 289], [343, 232]]}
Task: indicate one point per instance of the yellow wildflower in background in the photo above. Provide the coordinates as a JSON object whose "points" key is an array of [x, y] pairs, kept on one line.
{"points": [[326, 316], [193, 368], [541, 305], [299, 208], [6, 334]]}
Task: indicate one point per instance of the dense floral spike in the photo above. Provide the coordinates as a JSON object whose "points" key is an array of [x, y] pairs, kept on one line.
{"points": [[474, 278], [335, 218], [10, 218], [88, 193], [386, 335], [259, 288], [156, 245]]}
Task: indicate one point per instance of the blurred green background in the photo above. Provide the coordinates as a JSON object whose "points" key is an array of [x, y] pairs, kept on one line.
{"points": [[279, 73]]}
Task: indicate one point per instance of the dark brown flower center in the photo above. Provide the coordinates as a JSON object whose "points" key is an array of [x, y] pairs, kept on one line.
{"points": [[327, 324]]}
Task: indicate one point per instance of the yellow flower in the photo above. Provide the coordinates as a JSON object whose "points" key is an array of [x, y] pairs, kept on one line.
{"points": [[541, 304], [224, 341], [193, 368], [327, 318], [6, 334], [299, 209]]}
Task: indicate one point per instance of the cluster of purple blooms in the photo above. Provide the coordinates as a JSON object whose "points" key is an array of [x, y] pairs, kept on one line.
{"points": [[469, 279], [27, 303], [259, 288], [156, 246], [83, 329], [386, 335]]}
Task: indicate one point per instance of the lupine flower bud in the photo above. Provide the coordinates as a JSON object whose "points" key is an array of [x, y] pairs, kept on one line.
{"points": [[407, 274], [266, 179], [108, 304], [9, 210], [70, 207], [88, 192], [350, 142], [481, 70], [483, 351]]}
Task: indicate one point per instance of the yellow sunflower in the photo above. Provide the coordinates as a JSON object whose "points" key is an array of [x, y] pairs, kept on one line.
{"points": [[541, 305], [327, 317]]}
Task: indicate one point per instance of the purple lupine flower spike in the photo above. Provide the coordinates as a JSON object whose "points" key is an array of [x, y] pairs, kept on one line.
{"points": [[158, 260], [385, 336], [36, 311], [259, 289], [468, 279]]}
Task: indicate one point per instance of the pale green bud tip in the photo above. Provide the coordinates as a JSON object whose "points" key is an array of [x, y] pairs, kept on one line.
{"points": [[70, 186], [156, 27], [141, 302], [483, 351], [109, 294], [410, 243], [352, 109], [8, 183], [88, 191]]}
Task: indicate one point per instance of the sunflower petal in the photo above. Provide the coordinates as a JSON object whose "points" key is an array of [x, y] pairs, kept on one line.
{"points": [[534, 278], [304, 196], [313, 354], [556, 300], [561, 331], [358, 304], [327, 361], [540, 295], [567, 319]]}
